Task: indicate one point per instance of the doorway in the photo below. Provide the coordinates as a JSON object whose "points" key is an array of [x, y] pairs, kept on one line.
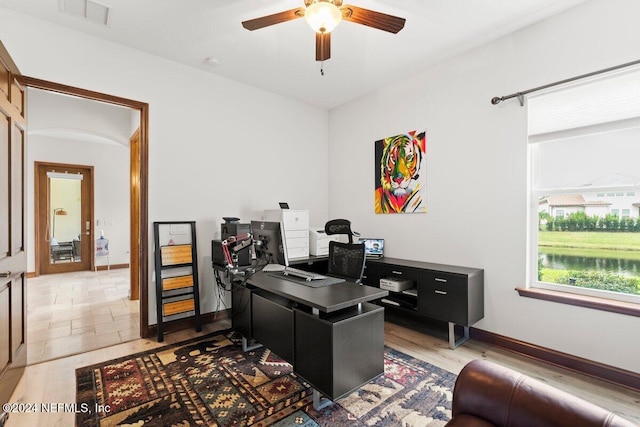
{"points": [[139, 233], [63, 217]]}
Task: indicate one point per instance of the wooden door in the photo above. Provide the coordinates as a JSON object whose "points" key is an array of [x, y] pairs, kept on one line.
{"points": [[63, 217], [13, 259]]}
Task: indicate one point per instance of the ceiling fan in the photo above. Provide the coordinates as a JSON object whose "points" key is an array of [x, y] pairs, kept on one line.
{"points": [[323, 16]]}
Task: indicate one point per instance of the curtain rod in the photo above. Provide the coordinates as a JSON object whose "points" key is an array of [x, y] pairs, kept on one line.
{"points": [[520, 95]]}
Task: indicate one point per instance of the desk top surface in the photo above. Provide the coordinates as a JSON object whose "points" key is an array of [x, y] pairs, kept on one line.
{"points": [[326, 299]]}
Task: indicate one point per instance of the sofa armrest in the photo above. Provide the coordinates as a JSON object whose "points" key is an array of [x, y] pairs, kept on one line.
{"points": [[504, 397]]}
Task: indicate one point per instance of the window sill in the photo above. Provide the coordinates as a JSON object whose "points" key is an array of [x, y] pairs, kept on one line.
{"points": [[627, 308]]}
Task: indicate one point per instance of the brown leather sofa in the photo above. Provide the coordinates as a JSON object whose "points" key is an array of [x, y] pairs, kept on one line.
{"points": [[487, 394]]}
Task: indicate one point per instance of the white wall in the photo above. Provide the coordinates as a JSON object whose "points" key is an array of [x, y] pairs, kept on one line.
{"points": [[217, 148], [476, 170]]}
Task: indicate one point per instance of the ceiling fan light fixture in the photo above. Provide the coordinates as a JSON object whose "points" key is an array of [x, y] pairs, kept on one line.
{"points": [[323, 16]]}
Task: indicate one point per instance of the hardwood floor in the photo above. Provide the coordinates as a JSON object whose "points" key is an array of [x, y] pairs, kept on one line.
{"points": [[54, 381]]}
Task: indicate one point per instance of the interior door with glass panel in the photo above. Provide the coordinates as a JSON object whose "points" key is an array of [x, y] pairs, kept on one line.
{"points": [[64, 212]]}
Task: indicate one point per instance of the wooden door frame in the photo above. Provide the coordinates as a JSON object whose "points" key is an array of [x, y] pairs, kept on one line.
{"points": [[139, 188], [41, 214]]}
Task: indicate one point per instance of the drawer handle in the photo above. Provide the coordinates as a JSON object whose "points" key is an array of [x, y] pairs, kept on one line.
{"points": [[441, 280], [440, 292], [397, 272]]}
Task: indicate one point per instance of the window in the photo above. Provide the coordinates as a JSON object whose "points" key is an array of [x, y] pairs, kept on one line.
{"points": [[584, 142]]}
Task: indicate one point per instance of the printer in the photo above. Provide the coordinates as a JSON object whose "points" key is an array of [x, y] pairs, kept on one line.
{"points": [[319, 241]]}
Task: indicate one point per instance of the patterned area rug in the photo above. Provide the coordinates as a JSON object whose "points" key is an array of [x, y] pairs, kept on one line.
{"points": [[209, 381]]}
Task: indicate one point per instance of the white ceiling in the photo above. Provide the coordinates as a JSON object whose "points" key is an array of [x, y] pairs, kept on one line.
{"points": [[281, 58]]}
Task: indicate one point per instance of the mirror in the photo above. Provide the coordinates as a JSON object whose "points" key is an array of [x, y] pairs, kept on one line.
{"points": [[65, 217]]}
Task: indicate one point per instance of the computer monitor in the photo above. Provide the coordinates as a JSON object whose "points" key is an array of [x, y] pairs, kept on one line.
{"points": [[373, 247], [269, 241]]}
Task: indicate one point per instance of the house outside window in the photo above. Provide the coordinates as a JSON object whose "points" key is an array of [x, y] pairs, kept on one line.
{"points": [[584, 187]]}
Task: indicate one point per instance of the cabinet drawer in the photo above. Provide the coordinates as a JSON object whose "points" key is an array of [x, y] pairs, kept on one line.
{"points": [[295, 220], [444, 297], [272, 323], [297, 234], [399, 272], [297, 252]]}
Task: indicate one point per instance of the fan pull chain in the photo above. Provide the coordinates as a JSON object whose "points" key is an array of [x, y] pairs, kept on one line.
{"points": [[322, 68]]}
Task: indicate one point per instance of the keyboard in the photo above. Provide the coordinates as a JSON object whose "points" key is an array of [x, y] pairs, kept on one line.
{"points": [[306, 275], [273, 267]]}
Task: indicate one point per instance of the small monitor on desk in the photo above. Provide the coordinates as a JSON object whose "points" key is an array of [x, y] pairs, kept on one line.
{"points": [[269, 241], [373, 247]]}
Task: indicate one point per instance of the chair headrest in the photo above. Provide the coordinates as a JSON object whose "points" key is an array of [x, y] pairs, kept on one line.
{"points": [[340, 226]]}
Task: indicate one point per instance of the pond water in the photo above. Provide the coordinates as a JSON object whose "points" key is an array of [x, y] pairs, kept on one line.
{"points": [[622, 266]]}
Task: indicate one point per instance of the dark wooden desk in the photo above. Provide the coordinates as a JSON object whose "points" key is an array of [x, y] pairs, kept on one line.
{"points": [[332, 335], [326, 299]]}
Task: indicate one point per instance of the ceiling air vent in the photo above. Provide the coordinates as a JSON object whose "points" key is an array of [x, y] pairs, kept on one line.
{"points": [[88, 9]]}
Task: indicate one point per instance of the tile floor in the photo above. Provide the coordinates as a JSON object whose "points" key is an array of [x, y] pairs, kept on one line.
{"points": [[76, 312]]}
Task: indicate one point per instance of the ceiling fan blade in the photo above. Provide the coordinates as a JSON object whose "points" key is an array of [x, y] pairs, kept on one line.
{"points": [[323, 46], [276, 18], [370, 18]]}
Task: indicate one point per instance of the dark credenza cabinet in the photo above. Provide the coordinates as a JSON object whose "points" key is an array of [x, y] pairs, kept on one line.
{"points": [[448, 293]]}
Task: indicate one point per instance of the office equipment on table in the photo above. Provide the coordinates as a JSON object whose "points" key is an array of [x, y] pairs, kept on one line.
{"points": [[306, 275], [446, 293], [346, 260], [337, 344], [314, 281], [217, 253], [234, 231], [273, 267], [176, 268], [268, 240], [395, 284], [319, 241], [295, 228], [373, 248]]}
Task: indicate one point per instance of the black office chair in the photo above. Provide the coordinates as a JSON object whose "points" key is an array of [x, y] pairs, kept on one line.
{"points": [[346, 260], [77, 249]]}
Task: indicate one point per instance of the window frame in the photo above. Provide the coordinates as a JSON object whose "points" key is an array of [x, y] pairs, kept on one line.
{"points": [[617, 115], [532, 239]]}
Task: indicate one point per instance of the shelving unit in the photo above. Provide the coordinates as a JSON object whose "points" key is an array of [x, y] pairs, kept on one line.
{"points": [[176, 268]]}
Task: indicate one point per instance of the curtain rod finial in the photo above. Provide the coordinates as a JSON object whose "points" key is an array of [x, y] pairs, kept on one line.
{"points": [[496, 100]]}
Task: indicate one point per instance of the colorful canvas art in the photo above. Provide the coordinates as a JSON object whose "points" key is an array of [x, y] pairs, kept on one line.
{"points": [[401, 173]]}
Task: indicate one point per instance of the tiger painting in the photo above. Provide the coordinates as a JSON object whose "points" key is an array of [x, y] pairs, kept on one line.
{"points": [[400, 182]]}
